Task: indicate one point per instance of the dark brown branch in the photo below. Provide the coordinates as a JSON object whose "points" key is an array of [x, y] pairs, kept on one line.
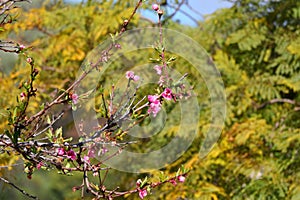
{"points": [[19, 189]]}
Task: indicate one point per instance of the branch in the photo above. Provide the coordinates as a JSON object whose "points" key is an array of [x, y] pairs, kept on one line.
{"points": [[19, 189], [126, 22], [9, 46], [289, 101], [59, 100]]}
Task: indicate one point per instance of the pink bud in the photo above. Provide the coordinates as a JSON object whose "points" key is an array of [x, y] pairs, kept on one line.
{"points": [[155, 7], [74, 98], [21, 47], [136, 78], [22, 96], [181, 178], [138, 182], [29, 60], [118, 46]]}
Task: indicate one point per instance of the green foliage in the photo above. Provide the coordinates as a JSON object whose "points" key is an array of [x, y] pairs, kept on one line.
{"points": [[255, 45]]}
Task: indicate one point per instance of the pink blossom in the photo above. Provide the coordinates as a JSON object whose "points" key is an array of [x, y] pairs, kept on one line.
{"points": [[167, 94], [181, 178], [60, 151], [143, 193], [74, 98], [86, 159], [155, 7], [154, 108], [155, 105], [153, 98], [71, 155], [130, 75], [39, 165], [158, 69], [91, 153]]}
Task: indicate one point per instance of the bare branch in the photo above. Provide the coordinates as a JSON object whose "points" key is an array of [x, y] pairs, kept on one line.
{"points": [[289, 101], [19, 189]]}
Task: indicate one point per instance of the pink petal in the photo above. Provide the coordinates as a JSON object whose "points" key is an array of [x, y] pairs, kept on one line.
{"points": [[158, 69], [136, 78], [129, 74], [167, 94]]}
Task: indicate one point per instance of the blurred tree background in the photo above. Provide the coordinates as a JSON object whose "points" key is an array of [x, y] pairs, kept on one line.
{"points": [[256, 46]]}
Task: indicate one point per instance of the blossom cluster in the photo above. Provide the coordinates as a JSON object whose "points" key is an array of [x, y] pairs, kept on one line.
{"points": [[154, 100], [131, 76], [69, 154], [144, 188]]}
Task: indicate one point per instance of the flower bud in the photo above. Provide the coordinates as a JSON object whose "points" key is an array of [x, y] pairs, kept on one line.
{"points": [[21, 47], [22, 96], [181, 178], [155, 7], [138, 182], [29, 60]]}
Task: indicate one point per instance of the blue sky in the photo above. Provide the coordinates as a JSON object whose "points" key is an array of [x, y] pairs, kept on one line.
{"points": [[203, 7]]}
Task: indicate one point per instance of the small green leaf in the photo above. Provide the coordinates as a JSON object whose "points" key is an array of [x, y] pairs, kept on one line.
{"points": [[178, 172]]}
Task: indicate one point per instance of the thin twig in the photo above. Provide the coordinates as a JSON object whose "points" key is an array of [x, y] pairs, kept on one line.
{"points": [[19, 189]]}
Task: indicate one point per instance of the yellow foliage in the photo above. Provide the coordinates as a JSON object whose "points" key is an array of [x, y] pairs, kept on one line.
{"points": [[294, 47]]}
